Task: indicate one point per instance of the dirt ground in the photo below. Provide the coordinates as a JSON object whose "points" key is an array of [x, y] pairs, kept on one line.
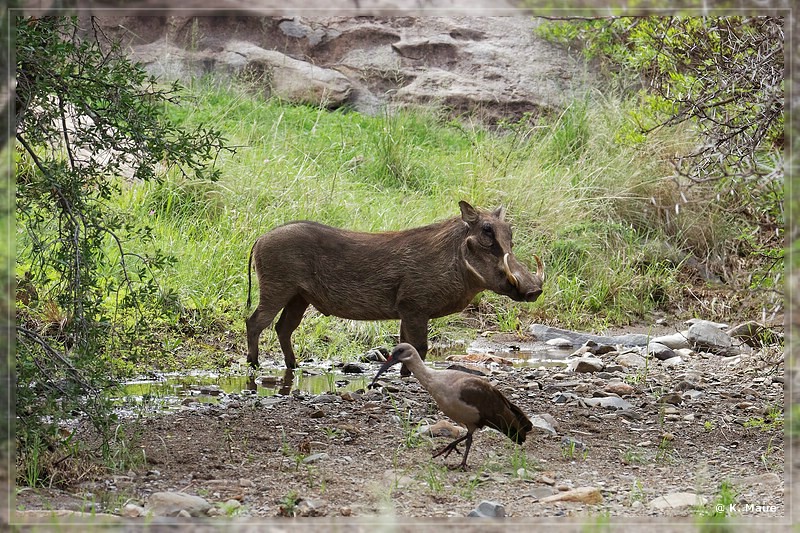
{"points": [[712, 426]]}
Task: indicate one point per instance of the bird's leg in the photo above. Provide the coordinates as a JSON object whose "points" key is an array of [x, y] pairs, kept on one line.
{"points": [[463, 465], [453, 446]]}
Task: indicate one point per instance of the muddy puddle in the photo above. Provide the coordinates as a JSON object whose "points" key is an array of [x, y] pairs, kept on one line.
{"points": [[176, 391]]}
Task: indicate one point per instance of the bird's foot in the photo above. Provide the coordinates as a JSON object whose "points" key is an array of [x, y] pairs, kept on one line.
{"points": [[461, 467], [446, 450]]}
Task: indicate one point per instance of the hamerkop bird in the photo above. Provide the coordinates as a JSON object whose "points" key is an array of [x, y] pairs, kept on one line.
{"points": [[467, 399]]}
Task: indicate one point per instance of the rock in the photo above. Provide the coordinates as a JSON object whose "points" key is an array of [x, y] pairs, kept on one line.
{"points": [[630, 360], [487, 509], [376, 354], [676, 500], [586, 364], [559, 342], [313, 458], [572, 444], [675, 341], [672, 362], [545, 333], [754, 334], [707, 336], [352, 368], [172, 503], [373, 64], [325, 398], [718, 325], [672, 398], [307, 507], [442, 428], [541, 423], [619, 388], [132, 510], [479, 358], [609, 402], [588, 495], [660, 351]]}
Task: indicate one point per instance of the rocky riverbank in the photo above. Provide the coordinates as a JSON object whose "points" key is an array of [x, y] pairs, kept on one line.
{"points": [[618, 430]]}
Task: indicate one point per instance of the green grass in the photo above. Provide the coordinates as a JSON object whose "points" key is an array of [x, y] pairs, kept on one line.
{"points": [[593, 204]]}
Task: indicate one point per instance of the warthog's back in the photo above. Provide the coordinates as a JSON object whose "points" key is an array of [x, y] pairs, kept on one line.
{"points": [[356, 275]]}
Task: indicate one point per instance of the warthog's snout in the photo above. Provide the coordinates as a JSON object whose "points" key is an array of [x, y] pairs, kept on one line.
{"points": [[528, 286], [531, 296]]}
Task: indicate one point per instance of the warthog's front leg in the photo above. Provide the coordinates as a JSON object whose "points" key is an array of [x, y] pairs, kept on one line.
{"points": [[414, 330], [287, 323]]}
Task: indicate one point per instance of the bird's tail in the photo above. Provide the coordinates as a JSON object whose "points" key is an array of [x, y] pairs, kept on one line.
{"points": [[514, 423]]}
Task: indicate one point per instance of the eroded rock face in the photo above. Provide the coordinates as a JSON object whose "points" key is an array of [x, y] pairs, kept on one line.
{"points": [[491, 67]]}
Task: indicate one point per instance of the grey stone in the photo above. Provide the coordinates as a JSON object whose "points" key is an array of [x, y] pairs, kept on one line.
{"points": [[609, 402], [660, 351], [559, 342], [172, 503], [675, 341], [586, 364], [630, 360], [488, 509], [545, 333], [676, 500], [707, 336], [540, 423]]}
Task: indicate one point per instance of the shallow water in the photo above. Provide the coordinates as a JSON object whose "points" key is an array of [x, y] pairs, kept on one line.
{"points": [[174, 391]]}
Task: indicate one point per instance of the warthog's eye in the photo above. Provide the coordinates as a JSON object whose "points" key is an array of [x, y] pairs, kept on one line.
{"points": [[488, 230]]}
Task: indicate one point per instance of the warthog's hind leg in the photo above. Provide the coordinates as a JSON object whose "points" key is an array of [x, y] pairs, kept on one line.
{"points": [[258, 322]]}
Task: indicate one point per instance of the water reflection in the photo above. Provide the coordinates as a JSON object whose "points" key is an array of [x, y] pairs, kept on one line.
{"points": [[271, 381]]}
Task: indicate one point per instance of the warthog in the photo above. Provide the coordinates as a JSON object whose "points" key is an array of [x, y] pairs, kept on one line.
{"points": [[413, 275]]}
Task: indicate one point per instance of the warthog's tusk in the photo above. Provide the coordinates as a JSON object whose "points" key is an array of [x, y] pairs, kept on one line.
{"points": [[539, 267], [475, 272], [510, 275]]}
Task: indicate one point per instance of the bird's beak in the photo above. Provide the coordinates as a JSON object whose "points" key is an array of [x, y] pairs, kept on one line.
{"points": [[386, 366]]}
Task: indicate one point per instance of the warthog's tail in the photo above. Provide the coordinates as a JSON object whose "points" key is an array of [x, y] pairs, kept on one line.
{"points": [[249, 273]]}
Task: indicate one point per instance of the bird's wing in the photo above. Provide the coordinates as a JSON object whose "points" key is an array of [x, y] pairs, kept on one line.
{"points": [[496, 411]]}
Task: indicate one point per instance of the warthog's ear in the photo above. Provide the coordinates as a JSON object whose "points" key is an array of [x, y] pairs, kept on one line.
{"points": [[500, 212], [468, 213]]}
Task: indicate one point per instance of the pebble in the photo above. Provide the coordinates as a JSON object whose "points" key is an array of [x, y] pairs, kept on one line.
{"points": [[620, 388], [559, 342], [488, 509], [173, 503], [659, 351], [677, 500], [589, 495]]}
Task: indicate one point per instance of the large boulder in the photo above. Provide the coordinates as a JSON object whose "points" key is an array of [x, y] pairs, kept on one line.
{"points": [[494, 68]]}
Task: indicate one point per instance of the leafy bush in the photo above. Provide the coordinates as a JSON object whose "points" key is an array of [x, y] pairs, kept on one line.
{"points": [[85, 117]]}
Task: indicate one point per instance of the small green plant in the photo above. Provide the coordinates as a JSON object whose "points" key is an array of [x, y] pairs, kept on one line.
{"points": [[665, 451], [708, 425], [231, 508], [570, 449], [33, 464], [772, 421], [434, 476], [468, 490], [287, 505], [713, 517], [637, 492], [634, 456], [508, 318], [519, 462], [411, 431]]}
